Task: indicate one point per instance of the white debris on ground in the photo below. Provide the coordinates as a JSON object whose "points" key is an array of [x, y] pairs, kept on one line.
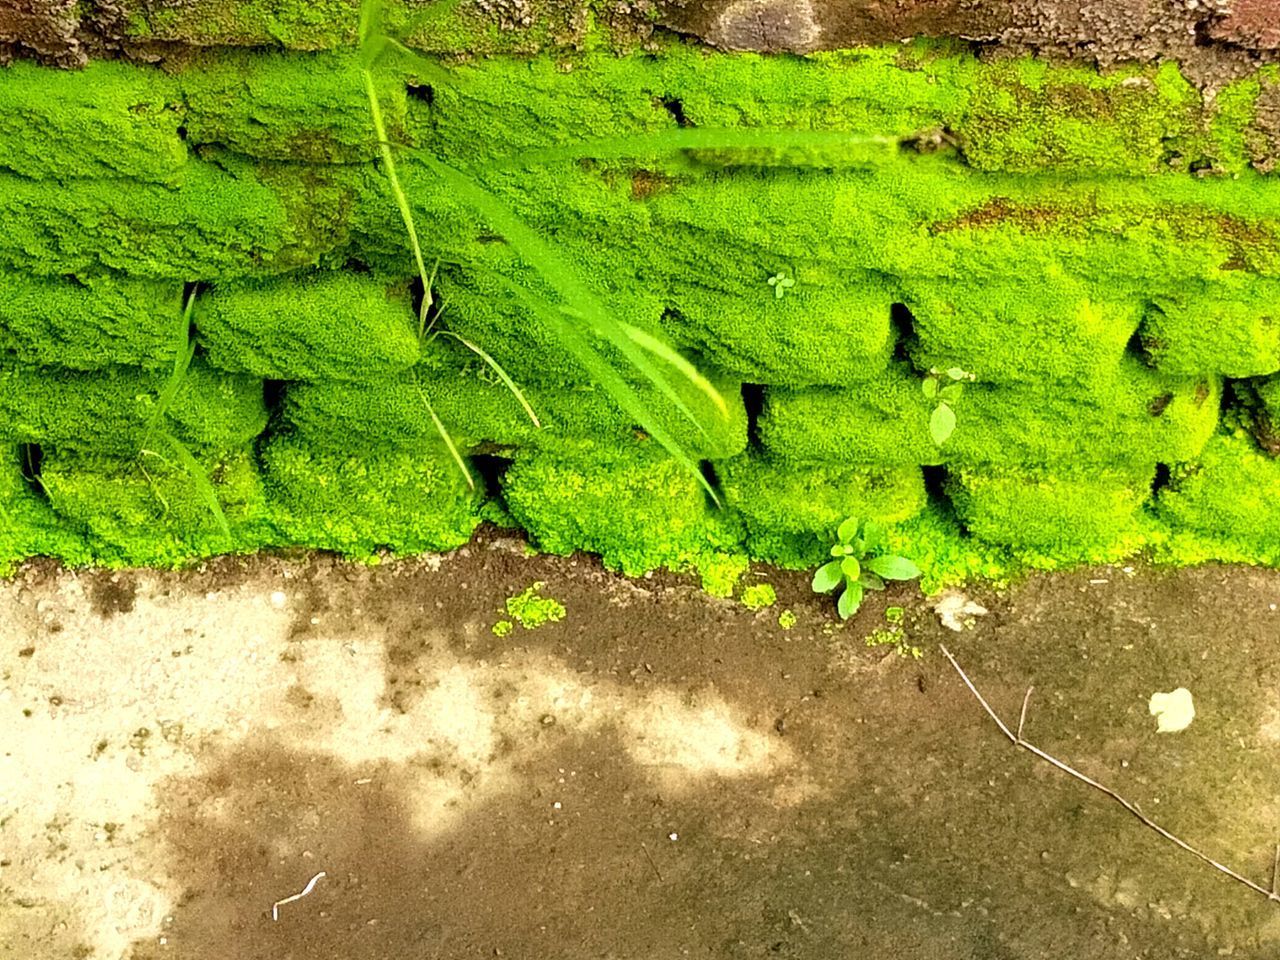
{"points": [[956, 611], [1173, 711]]}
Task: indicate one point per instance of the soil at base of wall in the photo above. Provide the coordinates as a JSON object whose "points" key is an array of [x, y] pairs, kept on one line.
{"points": [[658, 774]]}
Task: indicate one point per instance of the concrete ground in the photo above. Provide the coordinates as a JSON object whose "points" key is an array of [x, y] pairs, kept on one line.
{"points": [[660, 774]]}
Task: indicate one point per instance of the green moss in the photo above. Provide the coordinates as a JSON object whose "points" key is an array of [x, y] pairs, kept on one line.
{"points": [[315, 326], [294, 24], [110, 119], [148, 511], [29, 527], [408, 502], [502, 628], [479, 409], [790, 512], [1023, 116], [758, 596], [637, 508], [216, 224], [1055, 329], [532, 610], [1230, 494], [1070, 516], [1138, 417], [787, 619], [88, 323], [826, 329], [289, 106], [108, 411], [1231, 327]]}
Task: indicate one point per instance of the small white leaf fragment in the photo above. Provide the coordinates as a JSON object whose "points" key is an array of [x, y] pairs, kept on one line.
{"points": [[1173, 711], [956, 611]]}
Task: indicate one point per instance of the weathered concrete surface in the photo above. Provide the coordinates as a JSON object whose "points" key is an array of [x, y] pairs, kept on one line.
{"points": [[661, 774]]}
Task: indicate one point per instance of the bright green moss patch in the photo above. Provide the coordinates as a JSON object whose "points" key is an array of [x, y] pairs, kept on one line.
{"points": [[1232, 328], [790, 512], [531, 610], [1052, 329], [110, 119], [148, 510], [108, 411], [317, 326], [1230, 493], [1137, 417], [409, 502], [479, 409], [637, 508], [758, 596], [1074, 516], [288, 106], [29, 527], [216, 224], [826, 328], [88, 323]]}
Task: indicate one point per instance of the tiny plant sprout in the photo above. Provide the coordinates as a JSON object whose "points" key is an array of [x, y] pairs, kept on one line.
{"points": [[781, 283], [858, 563], [944, 389]]}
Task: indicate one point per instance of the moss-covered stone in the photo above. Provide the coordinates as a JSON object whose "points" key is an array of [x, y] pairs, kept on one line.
{"points": [[1137, 417], [636, 507], [108, 120], [326, 325], [108, 411], [288, 106], [1231, 492], [90, 322], [29, 527], [1229, 327], [479, 410], [149, 510], [1067, 516], [406, 501], [1053, 329], [790, 512]]}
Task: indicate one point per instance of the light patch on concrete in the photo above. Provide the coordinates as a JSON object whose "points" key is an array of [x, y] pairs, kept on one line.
{"points": [[120, 707]]}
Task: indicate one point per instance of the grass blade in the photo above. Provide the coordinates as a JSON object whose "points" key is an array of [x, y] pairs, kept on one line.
{"points": [[699, 138], [199, 479], [659, 349], [581, 302], [185, 350], [444, 433], [502, 374]]}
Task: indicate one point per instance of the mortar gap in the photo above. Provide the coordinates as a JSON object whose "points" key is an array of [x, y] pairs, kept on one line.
{"points": [[753, 403], [31, 460], [935, 482], [1160, 480], [424, 92], [273, 394], [491, 468], [675, 107], [903, 324]]}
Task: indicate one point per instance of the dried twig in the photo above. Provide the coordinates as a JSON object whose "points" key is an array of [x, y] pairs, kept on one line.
{"points": [[275, 907], [1017, 741]]}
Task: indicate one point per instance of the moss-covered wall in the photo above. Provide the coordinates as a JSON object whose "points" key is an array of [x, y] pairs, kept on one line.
{"points": [[1099, 250]]}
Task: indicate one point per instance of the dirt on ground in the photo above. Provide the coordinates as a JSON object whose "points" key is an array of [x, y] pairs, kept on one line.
{"points": [[660, 774]]}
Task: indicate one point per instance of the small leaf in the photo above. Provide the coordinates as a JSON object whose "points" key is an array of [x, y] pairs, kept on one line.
{"points": [[930, 387], [848, 530], [955, 373], [893, 568], [942, 424], [872, 535], [838, 550], [851, 568], [827, 577], [850, 601], [951, 392], [871, 581]]}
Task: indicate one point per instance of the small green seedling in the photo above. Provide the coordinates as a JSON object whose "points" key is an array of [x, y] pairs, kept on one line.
{"points": [[781, 283], [860, 565], [942, 422]]}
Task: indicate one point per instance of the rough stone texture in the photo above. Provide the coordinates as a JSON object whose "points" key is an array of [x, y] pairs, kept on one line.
{"points": [[42, 28]]}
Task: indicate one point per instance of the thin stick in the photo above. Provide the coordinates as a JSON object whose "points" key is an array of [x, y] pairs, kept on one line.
{"points": [[1022, 717], [1017, 741], [648, 856], [275, 907]]}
